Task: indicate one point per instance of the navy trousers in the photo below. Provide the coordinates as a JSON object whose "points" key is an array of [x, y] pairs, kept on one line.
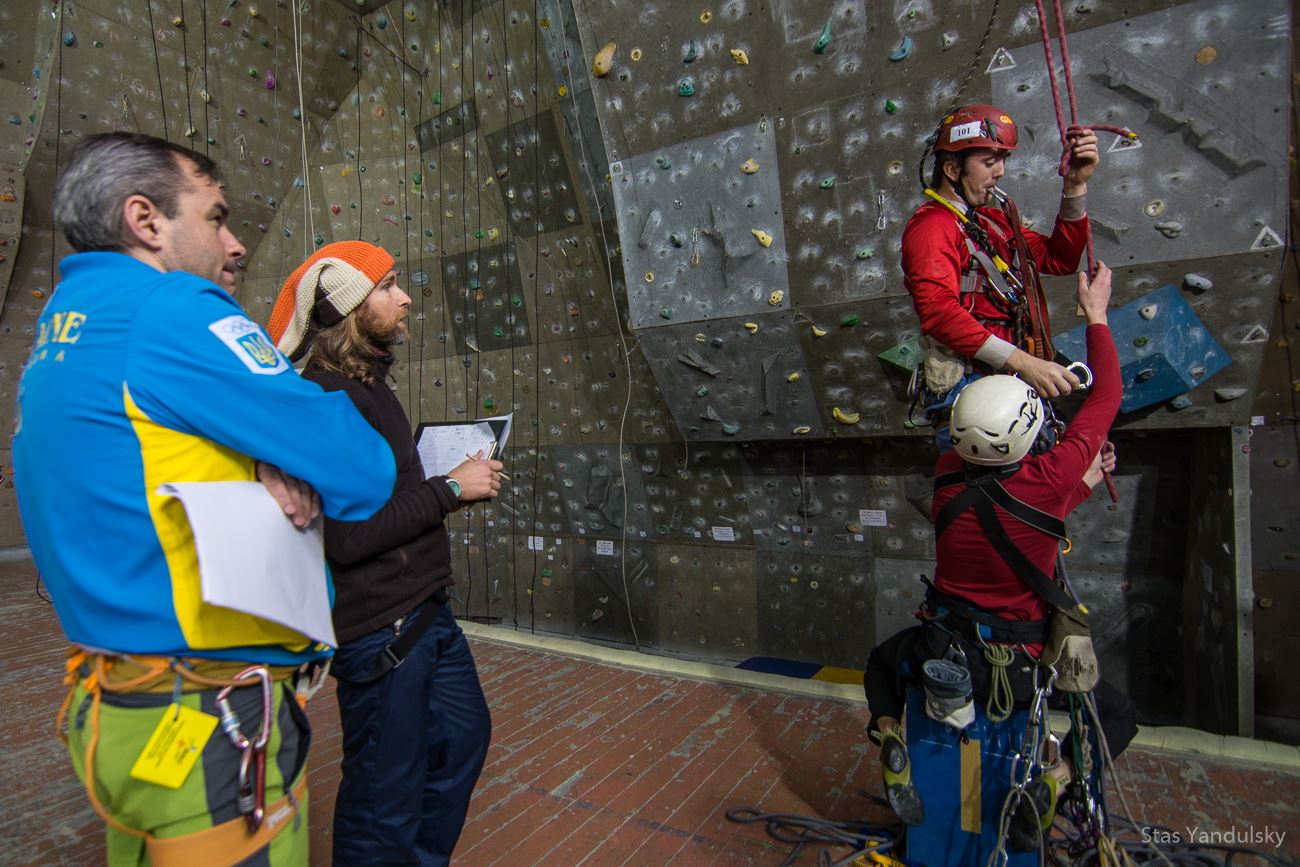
{"points": [[414, 742]]}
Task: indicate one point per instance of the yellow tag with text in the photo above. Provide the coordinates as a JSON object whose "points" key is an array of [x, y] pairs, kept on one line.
{"points": [[174, 747]]}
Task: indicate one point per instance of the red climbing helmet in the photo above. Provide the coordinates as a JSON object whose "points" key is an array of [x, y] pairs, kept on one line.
{"points": [[976, 126]]}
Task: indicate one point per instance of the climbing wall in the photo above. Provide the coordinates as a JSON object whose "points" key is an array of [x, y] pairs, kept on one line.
{"points": [[665, 235]]}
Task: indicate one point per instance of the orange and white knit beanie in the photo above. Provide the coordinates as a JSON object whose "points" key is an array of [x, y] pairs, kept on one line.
{"points": [[323, 290]]}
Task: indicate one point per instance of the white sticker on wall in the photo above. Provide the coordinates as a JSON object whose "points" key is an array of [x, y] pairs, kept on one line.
{"points": [[724, 534], [873, 518], [536, 543], [605, 546]]}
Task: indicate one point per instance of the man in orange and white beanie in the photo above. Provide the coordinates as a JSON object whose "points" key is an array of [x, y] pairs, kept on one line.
{"points": [[416, 725]]}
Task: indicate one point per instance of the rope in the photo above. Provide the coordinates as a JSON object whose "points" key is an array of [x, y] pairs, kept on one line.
{"points": [[1069, 132], [1000, 697]]}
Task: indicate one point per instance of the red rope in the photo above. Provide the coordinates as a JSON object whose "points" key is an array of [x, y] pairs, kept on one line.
{"points": [[1071, 132]]}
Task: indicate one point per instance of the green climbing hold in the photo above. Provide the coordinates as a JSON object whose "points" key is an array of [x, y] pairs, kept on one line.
{"points": [[686, 87], [437, 97], [702, 391], [665, 313], [428, 233], [677, 239], [890, 106], [473, 282], [1140, 341], [320, 239], [827, 182], [663, 162], [850, 320], [498, 332], [416, 179], [866, 252], [478, 233], [819, 47], [730, 428], [488, 403], [516, 300], [663, 529]]}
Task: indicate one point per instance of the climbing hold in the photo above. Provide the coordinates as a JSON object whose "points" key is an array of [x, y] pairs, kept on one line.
{"points": [[636, 54], [1139, 341], [686, 87], [604, 60], [1170, 230], [1223, 395], [819, 47], [849, 321], [1206, 54], [1182, 401], [1148, 311], [1154, 208], [706, 16], [844, 417], [749, 166], [562, 91], [410, 13], [903, 51], [677, 239], [802, 429], [478, 233], [730, 428], [948, 40], [739, 55], [866, 252], [665, 313], [97, 44], [776, 297], [1144, 375], [493, 233], [702, 391], [751, 327], [1197, 283], [890, 106], [818, 332], [649, 276], [1197, 371], [663, 162], [38, 294], [827, 182], [178, 21], [763, 237], [69, 38], [269, 81], [381, 21], [716, 342], [690, 51], [793, 376]]}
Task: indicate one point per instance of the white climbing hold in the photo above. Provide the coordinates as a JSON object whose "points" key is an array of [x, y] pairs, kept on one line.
{"points": [[1267, 239], [1001, 60], [1148, 311]]}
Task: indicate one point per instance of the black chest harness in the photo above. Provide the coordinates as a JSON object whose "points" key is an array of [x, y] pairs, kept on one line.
{"points": [[984, 490]]}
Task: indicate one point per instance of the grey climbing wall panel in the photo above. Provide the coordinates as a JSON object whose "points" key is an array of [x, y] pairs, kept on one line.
{"points": [[720, 449]]}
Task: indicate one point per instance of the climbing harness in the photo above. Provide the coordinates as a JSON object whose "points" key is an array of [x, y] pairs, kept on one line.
{"points": [[226, 842]]}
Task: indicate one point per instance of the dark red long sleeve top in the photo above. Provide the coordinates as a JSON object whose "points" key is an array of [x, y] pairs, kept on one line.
{"points": [[968, 565], [935, 256]]}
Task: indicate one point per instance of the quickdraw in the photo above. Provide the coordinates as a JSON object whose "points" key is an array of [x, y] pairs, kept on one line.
{"points": [[251, 799]]}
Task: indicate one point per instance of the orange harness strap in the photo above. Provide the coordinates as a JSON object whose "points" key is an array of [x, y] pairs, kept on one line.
{"points": [[153, 669]]}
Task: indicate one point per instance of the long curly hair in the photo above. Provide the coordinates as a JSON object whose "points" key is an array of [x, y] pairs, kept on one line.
{"points": [[348, 349]]}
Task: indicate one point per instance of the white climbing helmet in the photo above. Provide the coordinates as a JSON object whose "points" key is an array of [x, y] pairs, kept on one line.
{"points": [[995, 420]]}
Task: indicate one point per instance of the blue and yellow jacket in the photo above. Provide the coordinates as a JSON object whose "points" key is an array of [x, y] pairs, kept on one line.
{"points": [[139, 378]]}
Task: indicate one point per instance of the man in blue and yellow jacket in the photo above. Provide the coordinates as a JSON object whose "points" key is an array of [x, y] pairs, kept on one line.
{"points": [[146, 371]]}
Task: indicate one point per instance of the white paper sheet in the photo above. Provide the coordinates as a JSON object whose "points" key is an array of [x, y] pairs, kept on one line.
{"points": [[253, 559], [443, 447]]}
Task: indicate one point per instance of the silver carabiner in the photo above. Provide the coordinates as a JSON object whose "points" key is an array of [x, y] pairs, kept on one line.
{"points": [[1081, 370]]}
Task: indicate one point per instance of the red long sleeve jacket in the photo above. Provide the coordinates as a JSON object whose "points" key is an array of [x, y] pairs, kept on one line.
{"points": [[968, 565], [935, 256]]}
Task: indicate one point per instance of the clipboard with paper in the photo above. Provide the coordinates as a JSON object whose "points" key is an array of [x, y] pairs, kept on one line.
{"points": [[444, 445]]}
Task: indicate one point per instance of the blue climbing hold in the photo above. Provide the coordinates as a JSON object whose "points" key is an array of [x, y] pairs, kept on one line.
{"points": [[903, 51]]}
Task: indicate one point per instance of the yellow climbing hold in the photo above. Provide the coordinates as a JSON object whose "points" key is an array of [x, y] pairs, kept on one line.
{"points": [[740, 56], [763, 237], [844, 417], [706, 16], [604, 60], [636, 54], [802, 429], [818, 332], [493, 233], [776, 297], [751, 327], [749, 167], [563, 91], [793, 376]]}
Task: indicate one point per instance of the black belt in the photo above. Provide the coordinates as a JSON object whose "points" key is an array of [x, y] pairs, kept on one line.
{"points": [[970, 621], [396, 652]]}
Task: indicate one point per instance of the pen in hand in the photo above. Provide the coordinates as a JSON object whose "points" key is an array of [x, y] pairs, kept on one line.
{"points": [[491, 448]]}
